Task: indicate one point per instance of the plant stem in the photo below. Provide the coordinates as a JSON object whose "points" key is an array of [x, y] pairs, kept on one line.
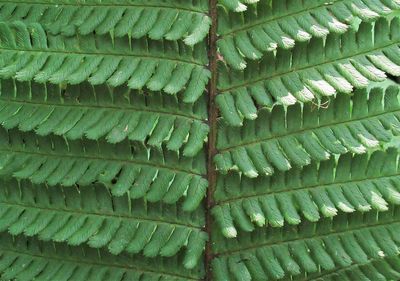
{"points": [[212, 138]]}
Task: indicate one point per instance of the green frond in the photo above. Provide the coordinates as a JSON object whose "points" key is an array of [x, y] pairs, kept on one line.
{"points": [[374, 270], [236, 5], [92, 216], [170, 20], [351, 183], [26, 259], [83, 110], [156, 174], [310, 71], [330, 245], [226, 140], [27, 52], [284, 138], [269, 25]]}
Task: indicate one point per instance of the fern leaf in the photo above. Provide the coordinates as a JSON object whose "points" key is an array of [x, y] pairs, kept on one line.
{"points": [[308, 249], [105, 109], [92, 208], [155, 19], [26, 259], [114, 113], [236, 5], [321, 68], [73, 60], [358, 183], [122, 167], [269, 25], [355, 125], [375, 269]]}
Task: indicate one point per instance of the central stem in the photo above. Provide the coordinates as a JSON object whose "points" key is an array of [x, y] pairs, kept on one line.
{"points": [[212, 138]]}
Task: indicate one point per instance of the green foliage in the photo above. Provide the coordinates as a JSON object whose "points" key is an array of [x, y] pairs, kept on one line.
{"points": [[375, 269], [236, 5], [270, 25], [100, 111], [280, 139], [359, 183], [309, 248], [139, 142], [87, 216], [312, 70], [123, 167], [24, 258], [29, 53], [172, 20]]}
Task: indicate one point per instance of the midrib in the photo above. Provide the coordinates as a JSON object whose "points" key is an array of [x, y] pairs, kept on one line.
{"points": [[212, 137]]}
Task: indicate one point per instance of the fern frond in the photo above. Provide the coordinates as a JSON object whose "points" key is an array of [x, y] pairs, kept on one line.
{"points": [[330, 245], [171, 20], [105, 109], [236, 5], [280, 24], [91, 215], [101, 111], [314, 70], [351, 183], [280, 139], [375, 269], [156, 174], [26, 259], [27, 52]]}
